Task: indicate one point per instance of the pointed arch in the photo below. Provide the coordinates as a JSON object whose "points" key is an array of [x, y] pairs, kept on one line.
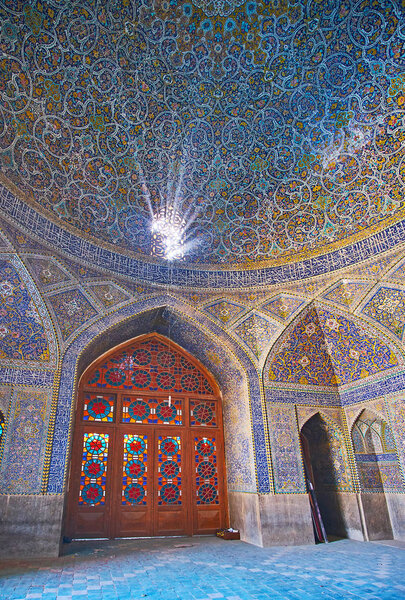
{"points": [[375, 453], [300, 357], [329, 454], [118, 359], [325, 347], [243, 405]]}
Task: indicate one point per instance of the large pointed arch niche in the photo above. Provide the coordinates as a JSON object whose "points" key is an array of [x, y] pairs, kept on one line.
{"points": [[147, 454]]}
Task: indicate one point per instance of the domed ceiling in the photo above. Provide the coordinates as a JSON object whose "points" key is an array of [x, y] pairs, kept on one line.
{"points": [[264, 131]]}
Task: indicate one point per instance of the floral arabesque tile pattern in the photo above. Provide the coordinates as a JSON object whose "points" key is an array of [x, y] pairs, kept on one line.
{"points": [[387, 307], [354, 352], [285, 447], [256, 333], [22, 332], [282, 307], [302, 356], [72, 310], [346, 292], [22, 464], [224, 311], [260, 103], [328, 349]]}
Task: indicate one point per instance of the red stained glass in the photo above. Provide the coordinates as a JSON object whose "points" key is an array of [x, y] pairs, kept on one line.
{"points": [[98, 407], [150, 365], [152, 411], [135, 470], [206, 470], [169, 470], [203, 412], [94, 469]]}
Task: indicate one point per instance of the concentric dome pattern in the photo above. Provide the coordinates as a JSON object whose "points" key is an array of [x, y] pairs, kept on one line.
{"points": [[268, 131]]}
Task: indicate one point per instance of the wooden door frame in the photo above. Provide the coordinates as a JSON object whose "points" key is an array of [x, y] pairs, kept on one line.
{"points": [[117, 430]]}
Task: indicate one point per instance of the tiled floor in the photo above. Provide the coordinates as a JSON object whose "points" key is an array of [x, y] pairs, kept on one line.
{"points": [[206, 568]]}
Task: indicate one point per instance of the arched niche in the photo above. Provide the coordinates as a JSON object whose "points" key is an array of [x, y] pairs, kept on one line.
{"points": [[327, 470], [323, 349], [236, 376], [376, 454]]}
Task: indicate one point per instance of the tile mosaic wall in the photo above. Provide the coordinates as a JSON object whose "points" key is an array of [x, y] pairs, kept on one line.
{"points": [[6, 393], [285, 448], [47, 272], [387, 307], [346, 292], [5, 397], [238, 381], [72, 309], [26, 332], [327, 349], [256, 332], [282, 307], [302, 357], [355, 352], [224, 311], [397, 413], [109, 295], [24, 451]]}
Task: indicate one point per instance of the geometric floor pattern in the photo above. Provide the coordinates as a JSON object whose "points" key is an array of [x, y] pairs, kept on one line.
{"points": [[207, 568]]}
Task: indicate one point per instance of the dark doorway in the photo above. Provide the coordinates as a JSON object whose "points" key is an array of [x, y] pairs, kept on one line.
{"points": [[323, 452]]}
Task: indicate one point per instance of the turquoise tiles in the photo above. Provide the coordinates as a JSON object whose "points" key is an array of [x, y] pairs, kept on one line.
{"points": [[206, 568]]}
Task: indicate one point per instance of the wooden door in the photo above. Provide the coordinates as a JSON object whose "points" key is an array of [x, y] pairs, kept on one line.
{"points": [[148, 456]]}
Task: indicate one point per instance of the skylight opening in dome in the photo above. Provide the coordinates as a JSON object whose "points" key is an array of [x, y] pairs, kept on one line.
{"points": [[168, 230]]}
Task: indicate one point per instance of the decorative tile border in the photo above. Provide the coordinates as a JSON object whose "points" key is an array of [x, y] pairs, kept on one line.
{"points": [[286, 450], [73, 245], [28, 377]]}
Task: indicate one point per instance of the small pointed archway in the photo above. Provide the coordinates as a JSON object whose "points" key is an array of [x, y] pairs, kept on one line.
{"points": [[148, 454], [327, 471], [376, 454], [378, 471]]}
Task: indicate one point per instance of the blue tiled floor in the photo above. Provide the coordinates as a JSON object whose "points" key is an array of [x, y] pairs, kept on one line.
{"points": [[206, 568]]}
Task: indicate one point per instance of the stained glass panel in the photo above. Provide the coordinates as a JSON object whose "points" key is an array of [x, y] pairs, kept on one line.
{"points": [[135, 469], [98, 407], [94, 469], [206, 470], [169, 469], [150, 365], [152, 410], [203, 413]]}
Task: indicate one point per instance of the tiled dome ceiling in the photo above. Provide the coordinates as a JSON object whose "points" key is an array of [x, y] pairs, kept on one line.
{"points": [[273, 129]]}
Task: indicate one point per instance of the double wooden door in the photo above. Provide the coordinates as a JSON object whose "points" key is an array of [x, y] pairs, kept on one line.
{"points": [[135, 476]]}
